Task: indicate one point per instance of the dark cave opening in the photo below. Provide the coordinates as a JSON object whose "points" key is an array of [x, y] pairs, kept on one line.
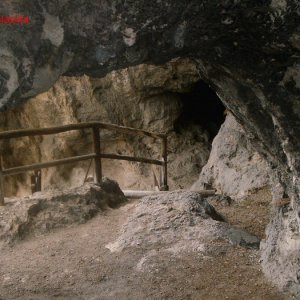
{"points": [[203, 107]]}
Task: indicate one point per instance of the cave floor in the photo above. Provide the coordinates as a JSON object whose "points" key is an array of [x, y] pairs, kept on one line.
{"points": [[73, 263]]}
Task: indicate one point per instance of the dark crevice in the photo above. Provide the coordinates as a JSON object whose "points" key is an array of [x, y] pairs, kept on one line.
{"points": [[202, 107]]}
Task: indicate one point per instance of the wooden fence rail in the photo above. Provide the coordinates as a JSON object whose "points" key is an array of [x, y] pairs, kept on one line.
{"points": [[96, 156]]}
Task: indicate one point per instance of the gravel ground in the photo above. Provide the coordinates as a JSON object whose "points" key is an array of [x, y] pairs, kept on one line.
{"points": [[75, 263]]}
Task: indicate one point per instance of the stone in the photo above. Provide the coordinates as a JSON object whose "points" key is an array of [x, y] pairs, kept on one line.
{"points": [[234, 167], [179, 222], [43, 212], [223, 199], [280, 251], [247, 51], [240, 237]]}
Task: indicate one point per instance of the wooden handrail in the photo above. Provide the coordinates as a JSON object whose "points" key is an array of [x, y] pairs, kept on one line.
{"points": [[133, 158], [1, 185], [96, 144], [140, 194], [164, 179], [59, 129], [97, 155], [53, 163]]}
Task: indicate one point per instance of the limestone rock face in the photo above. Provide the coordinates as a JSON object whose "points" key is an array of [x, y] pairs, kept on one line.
{"points": [[248, 51], [144, 96], [234, 168], [43, 212], [280, 251]]}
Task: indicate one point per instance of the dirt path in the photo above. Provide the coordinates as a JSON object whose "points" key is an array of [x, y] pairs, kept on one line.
{"points": [[74, 263]]}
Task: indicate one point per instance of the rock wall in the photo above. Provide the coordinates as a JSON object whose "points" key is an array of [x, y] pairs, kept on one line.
{"points": [[248, 51], [234, 168], [145, 97]]}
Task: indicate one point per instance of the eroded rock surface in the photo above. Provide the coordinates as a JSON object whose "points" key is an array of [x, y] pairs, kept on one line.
{"points": [[248, 51], [281, 258], [43, 212], [179, 222], [234, 168], [144, 96]]}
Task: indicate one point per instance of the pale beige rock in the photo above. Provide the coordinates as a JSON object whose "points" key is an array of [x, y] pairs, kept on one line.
{"points": [[234, 168], [144, 96]]}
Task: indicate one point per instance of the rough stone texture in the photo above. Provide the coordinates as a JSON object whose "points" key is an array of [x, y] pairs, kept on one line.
{"points": [[234, 168], [142, 97], [249, 52], [281, 250], [179, 221], [43, 212]]}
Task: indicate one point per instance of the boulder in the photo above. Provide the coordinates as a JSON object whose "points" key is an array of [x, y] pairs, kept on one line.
{"points": [[234, 167], [179, 222], [43, 212]]}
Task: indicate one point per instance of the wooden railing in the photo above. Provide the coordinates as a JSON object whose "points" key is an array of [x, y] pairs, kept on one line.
{"points": [[96, 155]]}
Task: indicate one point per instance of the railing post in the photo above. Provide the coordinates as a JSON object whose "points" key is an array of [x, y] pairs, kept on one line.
{"points": [[1, 185], [36, 181], [38, 174], [97, 151], [164, 168]]}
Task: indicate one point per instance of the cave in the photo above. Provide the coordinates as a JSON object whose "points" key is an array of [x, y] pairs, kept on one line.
{"points": [[247, 52], [162, 103], [203, 107], [207, 150]]}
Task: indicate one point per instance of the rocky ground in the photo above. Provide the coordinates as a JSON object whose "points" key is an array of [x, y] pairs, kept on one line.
{"points": [[45, 211], [170, 247]]}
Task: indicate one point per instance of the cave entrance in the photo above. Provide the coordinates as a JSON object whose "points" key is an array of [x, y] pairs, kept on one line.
{"points": [[201, 106]]}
